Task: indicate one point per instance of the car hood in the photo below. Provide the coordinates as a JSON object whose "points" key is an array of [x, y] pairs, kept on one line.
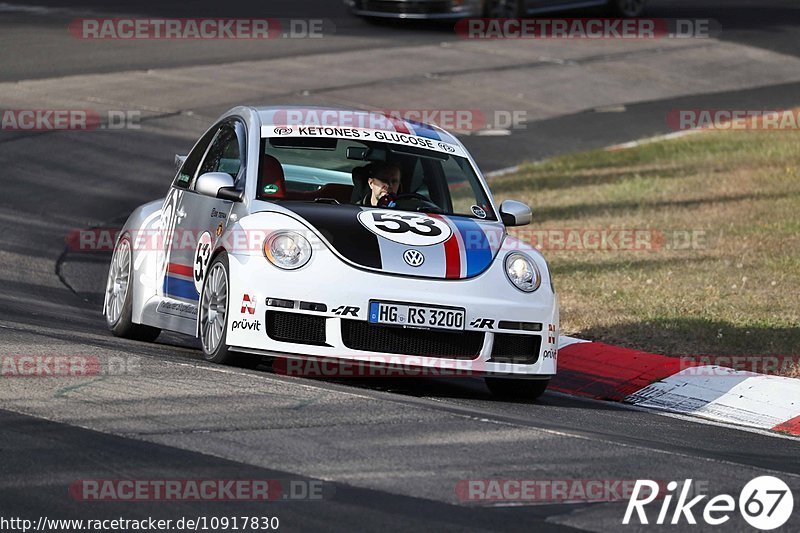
{"points": [[403, 242]]}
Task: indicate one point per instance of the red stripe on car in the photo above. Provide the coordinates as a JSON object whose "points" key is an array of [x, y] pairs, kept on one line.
{"points": [[181, 270]]}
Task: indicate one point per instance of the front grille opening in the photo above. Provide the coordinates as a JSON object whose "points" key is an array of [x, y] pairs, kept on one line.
{"points": [[360, 335], [516, 349], [295, 327]]}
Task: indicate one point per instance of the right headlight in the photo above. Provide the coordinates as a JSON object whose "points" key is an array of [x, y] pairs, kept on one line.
{"points": [[287, 250], [522, 272]]}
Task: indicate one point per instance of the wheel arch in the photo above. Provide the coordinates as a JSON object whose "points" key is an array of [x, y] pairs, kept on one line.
{"points": [[220, 249]]}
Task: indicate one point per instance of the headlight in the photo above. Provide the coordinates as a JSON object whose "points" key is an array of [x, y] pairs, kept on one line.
{"points": [[522, 272], [287, 250]]}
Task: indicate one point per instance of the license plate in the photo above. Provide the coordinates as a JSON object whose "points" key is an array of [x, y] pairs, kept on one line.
{"points": [[416, 316]]}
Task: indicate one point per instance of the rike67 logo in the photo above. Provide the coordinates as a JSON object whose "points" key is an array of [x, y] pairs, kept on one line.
{"points": [[765, 503]]}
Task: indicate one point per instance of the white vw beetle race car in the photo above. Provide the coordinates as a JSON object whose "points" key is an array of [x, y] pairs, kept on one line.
{"points": [[268, 244]]}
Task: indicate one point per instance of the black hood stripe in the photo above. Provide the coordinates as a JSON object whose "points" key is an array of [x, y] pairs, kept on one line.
{"points": [[338, 225]]}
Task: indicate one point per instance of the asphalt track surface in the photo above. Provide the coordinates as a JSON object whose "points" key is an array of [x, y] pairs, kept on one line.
{"points": [[389, 452]]}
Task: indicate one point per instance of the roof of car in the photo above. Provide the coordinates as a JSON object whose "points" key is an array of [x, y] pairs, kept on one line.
{"points": [[387, 120]]}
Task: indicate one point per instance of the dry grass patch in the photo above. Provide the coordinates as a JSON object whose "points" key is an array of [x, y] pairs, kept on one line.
{"points": [[724, 279]]}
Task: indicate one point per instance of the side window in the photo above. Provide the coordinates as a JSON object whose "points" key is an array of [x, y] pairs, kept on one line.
{"points": [[188, 170], [223, 155]]}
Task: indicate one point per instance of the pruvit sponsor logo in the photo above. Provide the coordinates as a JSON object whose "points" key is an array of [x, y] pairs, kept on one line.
{"points": [[198, 28], [461, 120], [613, 240], [39, 120], [197, 490], [734, 119], [246, 325], [722, 365], [765, 503], [62, 366], [545, 490], [586, 28]]}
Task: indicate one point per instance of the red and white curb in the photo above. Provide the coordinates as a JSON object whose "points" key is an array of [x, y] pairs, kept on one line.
{"points": [[606, 372]]}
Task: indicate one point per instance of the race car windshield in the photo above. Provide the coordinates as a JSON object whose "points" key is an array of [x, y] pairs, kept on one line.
{"points": [[335, 170]]}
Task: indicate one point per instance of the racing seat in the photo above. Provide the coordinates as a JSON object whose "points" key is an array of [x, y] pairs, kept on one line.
{"points": [[360, 185], [271, 173]]}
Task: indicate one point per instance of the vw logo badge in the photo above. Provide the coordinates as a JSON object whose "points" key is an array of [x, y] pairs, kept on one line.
{"points": [[414, 258]]}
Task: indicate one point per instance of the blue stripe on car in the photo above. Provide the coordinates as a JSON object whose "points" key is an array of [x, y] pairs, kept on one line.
{"points": [[476, 245], [423, 130], [180, 288]]}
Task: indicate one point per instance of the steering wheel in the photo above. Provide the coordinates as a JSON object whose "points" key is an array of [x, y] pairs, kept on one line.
{"points": [[415, 201], [409, 195]]}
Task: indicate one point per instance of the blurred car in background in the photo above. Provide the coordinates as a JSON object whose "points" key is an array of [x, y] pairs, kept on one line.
{"points": [[454, 9]]}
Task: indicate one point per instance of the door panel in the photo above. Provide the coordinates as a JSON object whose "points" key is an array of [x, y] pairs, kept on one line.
{"points": [[192, 225]]}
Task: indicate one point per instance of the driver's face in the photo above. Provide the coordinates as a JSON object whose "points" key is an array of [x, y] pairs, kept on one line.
{"points": [[385, 184]]}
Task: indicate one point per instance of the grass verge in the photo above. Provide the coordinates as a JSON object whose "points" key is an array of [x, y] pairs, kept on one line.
{"points": [[717, 219]]}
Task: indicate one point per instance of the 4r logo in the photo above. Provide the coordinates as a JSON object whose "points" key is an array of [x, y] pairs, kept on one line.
{"points": [[481, 323], [344, 310]]}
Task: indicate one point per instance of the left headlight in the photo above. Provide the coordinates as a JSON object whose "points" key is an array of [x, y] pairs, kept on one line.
{"points": [[287, 250], [522, 272]]}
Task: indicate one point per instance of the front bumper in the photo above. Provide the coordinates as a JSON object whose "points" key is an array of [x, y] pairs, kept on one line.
{"points": [[415, 9], [322, 310]]}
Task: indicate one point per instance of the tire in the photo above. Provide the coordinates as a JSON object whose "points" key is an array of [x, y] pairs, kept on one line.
{"points": [[214, 311], [508, 9], [517, 389], [216, 293], [625, 8], [118, 303]]}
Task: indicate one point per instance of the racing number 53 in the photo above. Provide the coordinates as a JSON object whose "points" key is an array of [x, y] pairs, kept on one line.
{"points": [[392, 223], [200, 261], [201, 256]]}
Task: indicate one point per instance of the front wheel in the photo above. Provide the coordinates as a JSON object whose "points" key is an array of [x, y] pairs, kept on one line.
{"points": [[517, 389], [214, 312], [625, 8], [118, 303]]}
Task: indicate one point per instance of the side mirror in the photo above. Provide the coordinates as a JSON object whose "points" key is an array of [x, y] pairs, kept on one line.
{"points": [[218, 185], [515, 213], [179, 159]]}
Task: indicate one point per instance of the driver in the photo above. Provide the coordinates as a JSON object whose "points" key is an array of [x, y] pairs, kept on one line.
{"points": [[384, 180]]}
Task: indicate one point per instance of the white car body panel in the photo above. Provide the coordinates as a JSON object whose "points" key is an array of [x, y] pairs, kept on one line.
{"points": [[328, 278]]}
